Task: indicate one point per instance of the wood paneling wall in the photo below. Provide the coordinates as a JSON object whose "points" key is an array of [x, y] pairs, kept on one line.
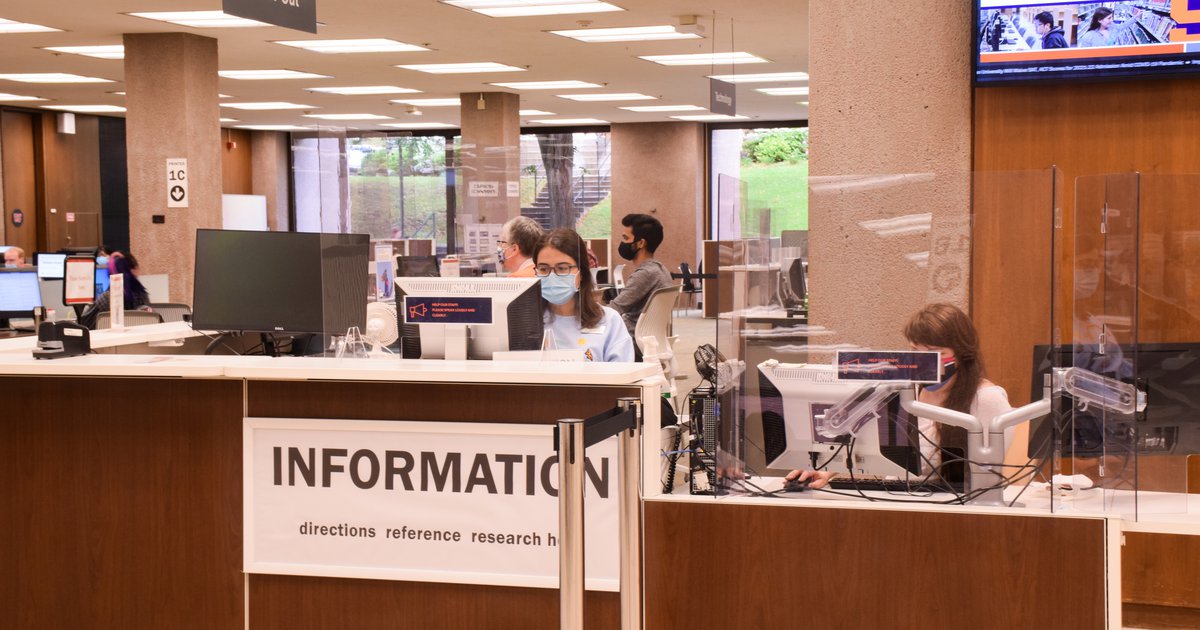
{"points": [[71, 205], [236, 163], [17, 133]]}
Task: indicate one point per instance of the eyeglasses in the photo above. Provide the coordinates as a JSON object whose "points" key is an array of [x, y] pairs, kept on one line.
{"points": [[561, 269], [503, 243]]}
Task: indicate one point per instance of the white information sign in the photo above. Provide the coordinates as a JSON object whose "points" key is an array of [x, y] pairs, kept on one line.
{"points": [[483, 189], [481, 238], [421, 501], [177, 183], [116, 300], [514, 189]]}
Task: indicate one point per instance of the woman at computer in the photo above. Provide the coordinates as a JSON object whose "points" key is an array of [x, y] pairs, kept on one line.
{"points": [[136, 297], [945, 329], [572, 315]]}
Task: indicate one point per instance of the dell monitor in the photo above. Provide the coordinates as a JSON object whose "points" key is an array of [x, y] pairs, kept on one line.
{"points": [[793, 394], [291, 282], [49, 266], [461, 318], [19, 293]]}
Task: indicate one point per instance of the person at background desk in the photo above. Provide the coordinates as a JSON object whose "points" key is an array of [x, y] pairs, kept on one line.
{"points": [[136, 297], [572, 314], [945, 329], [519, 237], [14, 257], [1100, 31], [641, 237], [1052, 36]]}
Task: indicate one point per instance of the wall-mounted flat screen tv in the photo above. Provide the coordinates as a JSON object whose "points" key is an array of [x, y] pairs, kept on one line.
{"points": [[1056, 41]]}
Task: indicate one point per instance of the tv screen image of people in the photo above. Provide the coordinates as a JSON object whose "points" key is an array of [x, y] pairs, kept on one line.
{"points": [[1036, 41]]}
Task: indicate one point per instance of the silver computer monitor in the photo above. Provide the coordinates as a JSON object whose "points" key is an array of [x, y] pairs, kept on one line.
{"points": [[512, 321]]}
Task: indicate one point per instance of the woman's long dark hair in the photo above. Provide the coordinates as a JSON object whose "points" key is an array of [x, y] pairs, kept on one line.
{"points": [[1097, 15], [945, 326], [570, 243], [125, 265]]}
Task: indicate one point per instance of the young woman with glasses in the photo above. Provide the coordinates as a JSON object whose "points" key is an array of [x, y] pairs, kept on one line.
{"points": [[572, 313]]}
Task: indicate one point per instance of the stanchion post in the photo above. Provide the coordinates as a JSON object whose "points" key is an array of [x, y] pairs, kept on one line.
{"points": [[629, 454], [571, 448]]}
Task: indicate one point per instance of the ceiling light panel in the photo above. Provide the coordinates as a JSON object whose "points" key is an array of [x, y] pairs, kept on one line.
{"points": [[599, 98], [200, 19], [710, 117], [764, 77], [51, 77], [228, 120], [87, 109], [785, 91], [267, 106], [664, 108], [115, 51], [364, 90], [269, 75], [627, 34], [339, 46], [704, 59], [461, 68], [571, 121], [430, 102], [522, 8], [348, 116], [535, 112], [274, 128], [9, 98], [548, 85], [420, 125], [11, 26]]}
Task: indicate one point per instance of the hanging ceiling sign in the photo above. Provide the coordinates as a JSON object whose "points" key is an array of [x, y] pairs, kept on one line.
{"points": [[300, 15], [722, 97]]}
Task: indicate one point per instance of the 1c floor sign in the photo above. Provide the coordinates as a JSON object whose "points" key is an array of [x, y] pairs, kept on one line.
{"points": [[177, 183]]}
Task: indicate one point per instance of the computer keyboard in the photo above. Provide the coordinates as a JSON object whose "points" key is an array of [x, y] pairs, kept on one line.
{"points": [[873, 484]]}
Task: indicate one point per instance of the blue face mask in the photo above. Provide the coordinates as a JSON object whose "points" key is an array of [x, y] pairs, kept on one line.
{"points": [[102, 261], [948, 369], [558, 289]]}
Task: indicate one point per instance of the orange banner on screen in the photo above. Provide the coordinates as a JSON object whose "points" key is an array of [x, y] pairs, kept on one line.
{"points": [[1082, 53]]}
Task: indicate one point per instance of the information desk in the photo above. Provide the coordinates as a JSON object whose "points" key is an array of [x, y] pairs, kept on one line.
{"points": [[124, 486]]}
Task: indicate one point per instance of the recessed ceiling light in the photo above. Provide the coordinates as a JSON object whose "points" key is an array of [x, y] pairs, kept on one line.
{"points": [[115, 51], [17, 97], [627, 34], [348, 116], [461, 68], [336, 46], [664, 108], [804, 103], [763, 77], [547, 85], [51, 77], [267, 106], [519, 8], [710, 117], [430, 102], [200, 19], [420, 125], [87, 109], [785, 91], [616, 96], [364, 90], [571, 121], [269, 75], [704, 59], [10, 26], [535, 112], [228, 120], [273, 127]]}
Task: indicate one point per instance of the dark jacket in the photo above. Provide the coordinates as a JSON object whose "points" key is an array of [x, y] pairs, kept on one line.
{"points": [[1054, 39]]}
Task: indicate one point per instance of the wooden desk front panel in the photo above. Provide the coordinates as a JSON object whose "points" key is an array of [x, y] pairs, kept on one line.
{"points": [[301, 603], [719, 565], [122, 503]]}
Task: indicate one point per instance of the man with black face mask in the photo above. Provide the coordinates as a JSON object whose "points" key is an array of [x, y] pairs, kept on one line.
{"points": [[642, 235]]}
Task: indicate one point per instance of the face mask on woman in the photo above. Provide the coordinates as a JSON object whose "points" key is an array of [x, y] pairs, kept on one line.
{"points": [[948, 369], [102, 261], [558, 289]]}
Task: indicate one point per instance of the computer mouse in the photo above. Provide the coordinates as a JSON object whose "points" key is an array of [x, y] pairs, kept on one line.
{"points": [[795, 485]]}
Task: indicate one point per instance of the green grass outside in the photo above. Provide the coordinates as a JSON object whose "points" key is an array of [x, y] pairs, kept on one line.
{"points": [[782, 188], [597, 221], [375, 206]]}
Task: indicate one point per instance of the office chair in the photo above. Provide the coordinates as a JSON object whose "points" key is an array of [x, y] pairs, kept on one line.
{"points": [[132, 318], [655, 321], [171, 312], [691, 285], [618, 276]]}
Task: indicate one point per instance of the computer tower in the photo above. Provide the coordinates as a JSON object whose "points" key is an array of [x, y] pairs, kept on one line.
{"points": [[704, 412]]}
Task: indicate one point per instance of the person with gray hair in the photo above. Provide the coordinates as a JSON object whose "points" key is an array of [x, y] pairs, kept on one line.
{"points": [[519, 239]]}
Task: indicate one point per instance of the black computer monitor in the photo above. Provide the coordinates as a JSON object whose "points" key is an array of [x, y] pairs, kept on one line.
{"points": [[19, 293], [499, 314], [1170, 372], [49, 265], [417, 267], [293, 282]]}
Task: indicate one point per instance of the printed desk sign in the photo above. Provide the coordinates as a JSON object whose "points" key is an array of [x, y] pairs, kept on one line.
{"points": [[421, 501], [447, 310], [882, 365]]}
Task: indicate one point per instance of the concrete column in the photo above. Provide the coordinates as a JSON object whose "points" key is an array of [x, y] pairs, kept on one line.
{"points": [[491, 143], [890, 143], [658, 169], [269, 174], [171, 80]]}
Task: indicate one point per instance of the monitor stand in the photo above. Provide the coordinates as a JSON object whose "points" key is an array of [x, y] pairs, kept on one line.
{"points": [[456, 342]]}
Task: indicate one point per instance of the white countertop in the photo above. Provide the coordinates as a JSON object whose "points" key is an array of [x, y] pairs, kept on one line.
{"points": [[109, 338]]}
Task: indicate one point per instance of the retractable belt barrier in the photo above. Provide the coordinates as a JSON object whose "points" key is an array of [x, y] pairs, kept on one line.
{"points": [[572, 436]]}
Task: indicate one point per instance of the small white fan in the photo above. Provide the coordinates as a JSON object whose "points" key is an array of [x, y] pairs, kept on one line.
{"points": [[382, 329]]}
